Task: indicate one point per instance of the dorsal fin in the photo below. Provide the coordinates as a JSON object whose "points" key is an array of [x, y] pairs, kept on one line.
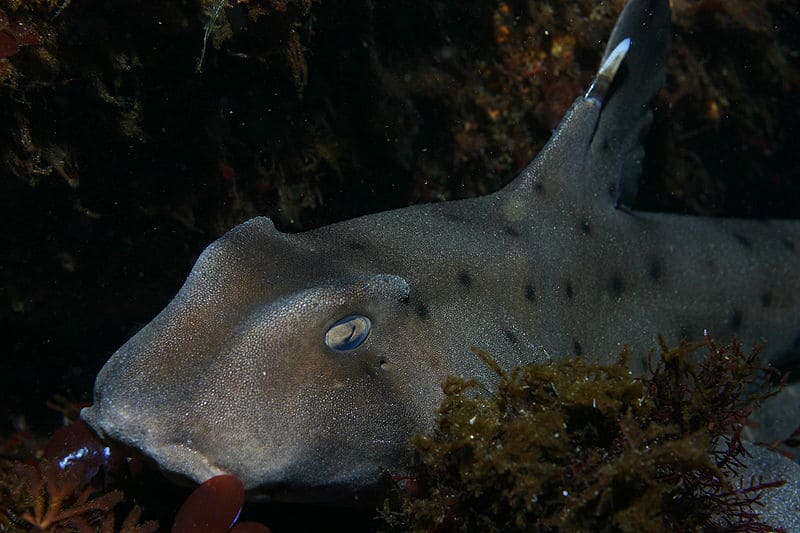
{"points": [[597, 147], [626, 114]]}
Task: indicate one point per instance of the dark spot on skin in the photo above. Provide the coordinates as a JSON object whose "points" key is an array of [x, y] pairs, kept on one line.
{"points": [[654, 269], [512, 338], [538, 187], [405, 299], [788, 243], [355, 245], [577, 348], [422, 311], [510, 231], [530, 293], [766, 299], [617, 285], [568, 290], [744, 241], [465, 280], [586, 228], [612, 190], [736, 320], [606, 145]]}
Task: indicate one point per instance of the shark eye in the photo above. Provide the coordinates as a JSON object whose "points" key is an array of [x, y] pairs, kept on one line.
{"points": [[348, 333]]}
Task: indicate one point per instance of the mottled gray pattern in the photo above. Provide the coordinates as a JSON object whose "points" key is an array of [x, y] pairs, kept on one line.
{"points": [[235, 376]]}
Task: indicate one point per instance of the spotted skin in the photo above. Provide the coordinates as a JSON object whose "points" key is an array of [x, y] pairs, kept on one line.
{"points": [[234, 374]]}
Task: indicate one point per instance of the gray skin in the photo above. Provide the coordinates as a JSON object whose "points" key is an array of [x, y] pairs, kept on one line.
{"points": [[235, 375]]}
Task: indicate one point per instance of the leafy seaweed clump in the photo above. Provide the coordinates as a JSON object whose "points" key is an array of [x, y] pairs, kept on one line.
{"points": [[576, 446], [46, 496]]}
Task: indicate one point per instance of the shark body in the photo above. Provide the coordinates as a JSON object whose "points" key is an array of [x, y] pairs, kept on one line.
{"points": [[303, 362]]}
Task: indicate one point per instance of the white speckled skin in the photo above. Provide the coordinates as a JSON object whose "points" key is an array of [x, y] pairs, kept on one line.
{"points": [[234, 375]]}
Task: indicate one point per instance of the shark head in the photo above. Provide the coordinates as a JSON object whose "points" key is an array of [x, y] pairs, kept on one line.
{"points": [[273, 364]]}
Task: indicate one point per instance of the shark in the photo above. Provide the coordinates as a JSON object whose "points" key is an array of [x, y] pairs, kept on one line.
{"points": [[303, 362]]}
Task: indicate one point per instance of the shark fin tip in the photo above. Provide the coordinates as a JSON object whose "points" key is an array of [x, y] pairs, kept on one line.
{"points": [[605, 75]]}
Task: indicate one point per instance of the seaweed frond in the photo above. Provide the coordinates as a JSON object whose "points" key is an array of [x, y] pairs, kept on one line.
{"points": [[48, 497], [575, 446], [209, 29]]}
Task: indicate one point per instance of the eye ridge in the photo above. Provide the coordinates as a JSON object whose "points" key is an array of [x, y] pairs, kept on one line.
{"points": [[338, 337]]}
